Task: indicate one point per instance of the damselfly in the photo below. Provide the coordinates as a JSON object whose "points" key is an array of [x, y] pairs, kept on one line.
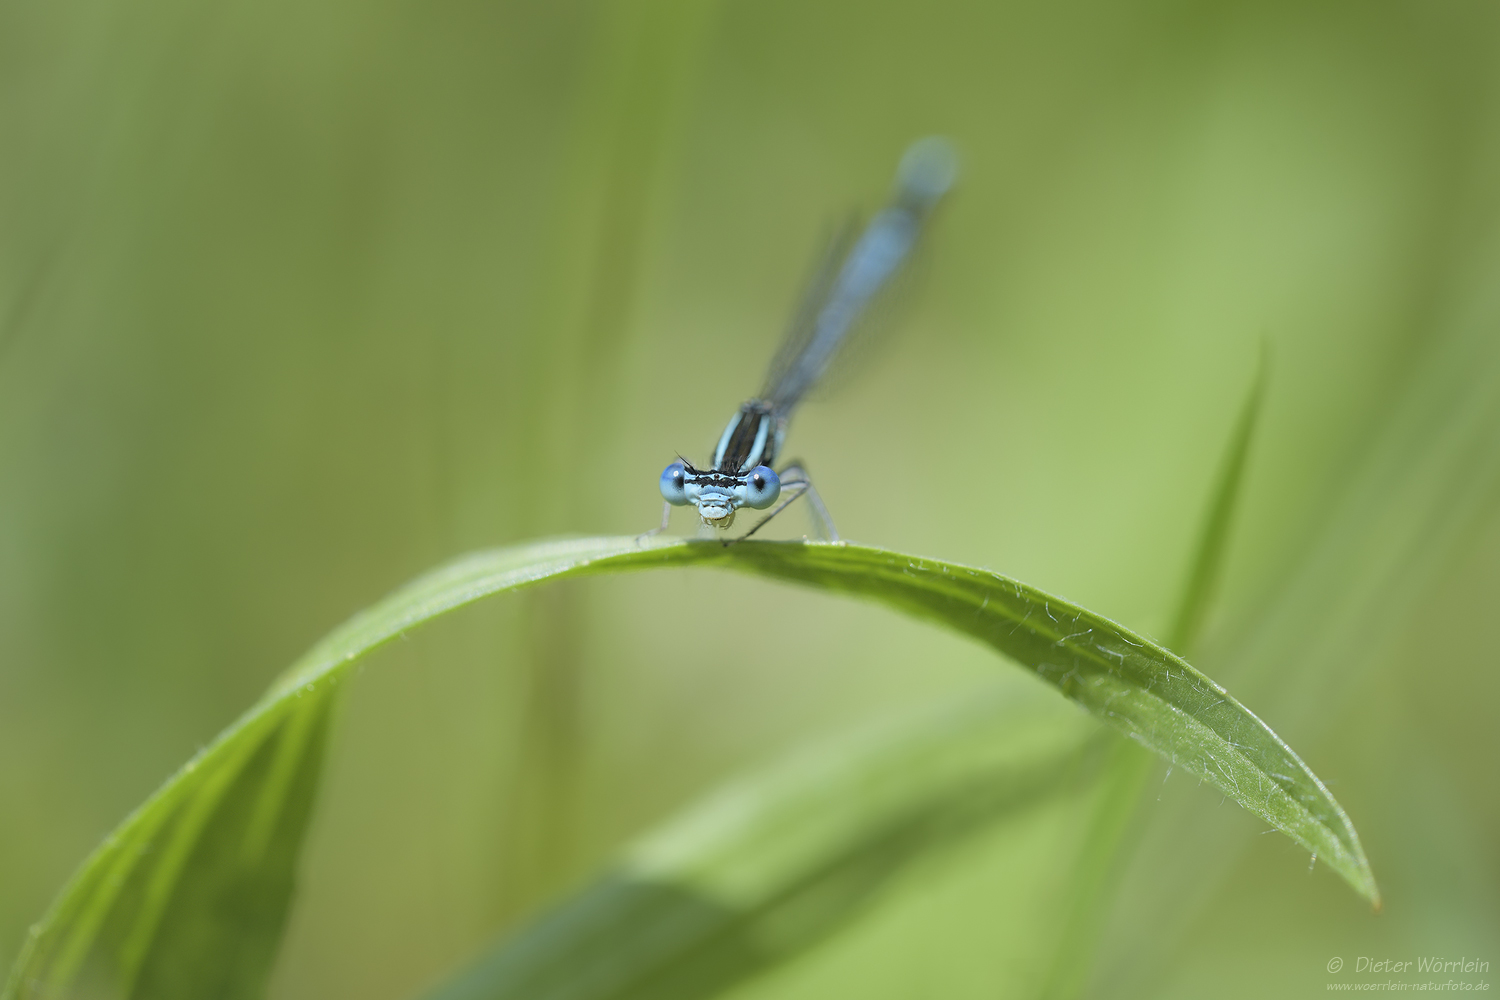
{"points": [[741, 473]]}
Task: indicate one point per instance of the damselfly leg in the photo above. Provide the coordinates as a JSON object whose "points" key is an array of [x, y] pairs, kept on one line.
{"points": [[666, 520], [795, 480]]}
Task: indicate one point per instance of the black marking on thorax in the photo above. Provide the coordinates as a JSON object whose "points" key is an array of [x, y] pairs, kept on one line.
{"points": [[754, 423]]}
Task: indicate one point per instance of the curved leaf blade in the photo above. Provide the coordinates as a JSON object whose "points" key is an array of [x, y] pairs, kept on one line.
{"points": [[116, 913], [1136, 685], [188, 896]]}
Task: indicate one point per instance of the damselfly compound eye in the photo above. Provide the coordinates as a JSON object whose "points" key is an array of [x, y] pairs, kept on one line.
{"points": [[674, 484], [762, 487]]}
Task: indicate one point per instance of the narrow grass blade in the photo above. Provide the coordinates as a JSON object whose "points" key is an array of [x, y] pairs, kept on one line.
{"points": [[1207, 565], [1128, 767], [1427, 478], [166, 848]]}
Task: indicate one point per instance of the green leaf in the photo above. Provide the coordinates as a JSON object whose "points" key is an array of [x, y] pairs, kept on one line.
{"points": [[767, 866], [1141, 688], [187, 898], [172, 871]]}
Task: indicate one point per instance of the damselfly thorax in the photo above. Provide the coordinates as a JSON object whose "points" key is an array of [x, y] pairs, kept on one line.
{"points": [[752, 437]]}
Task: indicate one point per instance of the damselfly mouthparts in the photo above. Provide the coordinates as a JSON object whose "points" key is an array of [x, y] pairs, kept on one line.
{"points": [[741, 473]]}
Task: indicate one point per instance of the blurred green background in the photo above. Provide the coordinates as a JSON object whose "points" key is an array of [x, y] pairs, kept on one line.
{"points": [[298, 300]]}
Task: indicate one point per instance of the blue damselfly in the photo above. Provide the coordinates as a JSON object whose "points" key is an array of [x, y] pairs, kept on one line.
{"points": [[741, 473]]}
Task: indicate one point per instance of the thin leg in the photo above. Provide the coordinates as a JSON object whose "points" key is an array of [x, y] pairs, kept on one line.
{"points": [[790, 491], [824, 520], [666, 518], [794, 478]]}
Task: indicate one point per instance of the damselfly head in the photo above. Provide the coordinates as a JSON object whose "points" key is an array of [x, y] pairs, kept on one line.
{"points": [[717, 495]]}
